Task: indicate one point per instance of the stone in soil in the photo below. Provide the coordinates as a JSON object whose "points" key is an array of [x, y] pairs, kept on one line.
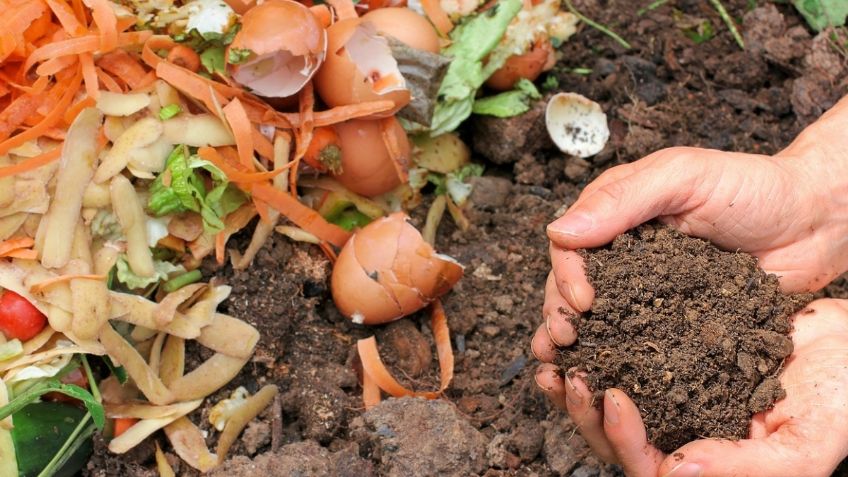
{"points": [[694, 335], [413, 436], [300, 458]]}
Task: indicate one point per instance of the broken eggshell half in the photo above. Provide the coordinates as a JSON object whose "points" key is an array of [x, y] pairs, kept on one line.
{"points": [[286, 45], [387, 271], [576, 124], [359, 68]]}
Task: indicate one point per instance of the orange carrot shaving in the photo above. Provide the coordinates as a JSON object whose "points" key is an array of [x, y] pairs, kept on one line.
{"points": [[108, 82], [303, 134], [234, 174], [328, 251], [16, 113], [344, 9], [373, 366], [83, 44], [220, 243], [11, 244], [191, 84], [25, 254], [302, 216], [41, 286], [55, 65], [323, 14], [156, 42], [121, 64], [13, 24], [65, 14], [89, 75], [122, 424], [434, 11], [262, 210], [242, 131], [107, 23], [185, 57], [42, 26], [393, 148], [74, 110], [31, 163], [80, 12], [49, 120], [370, 392], [343, 113]]}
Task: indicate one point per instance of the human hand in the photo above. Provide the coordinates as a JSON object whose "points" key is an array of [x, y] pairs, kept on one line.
{"points": [[801, 436]]}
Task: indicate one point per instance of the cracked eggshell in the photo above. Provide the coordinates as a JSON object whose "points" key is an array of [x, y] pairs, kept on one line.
{"points": [[528, 65], [405, 26], [367, 166], [387, 271], [360, 67], [576, 124], [287, 44]]}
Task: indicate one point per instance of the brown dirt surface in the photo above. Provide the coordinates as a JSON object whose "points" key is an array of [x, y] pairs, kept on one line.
{"points": [[665, 91], [694, 335]]}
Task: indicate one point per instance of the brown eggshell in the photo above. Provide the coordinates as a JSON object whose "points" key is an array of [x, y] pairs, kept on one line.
{"points": [[367, 167], [529, 66], [405, 276], [288, 45], [340, 82], [358, 295], [406, 26]]}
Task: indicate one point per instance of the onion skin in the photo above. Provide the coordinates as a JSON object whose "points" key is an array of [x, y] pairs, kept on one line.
{"points": [[405, 26], [340, 83], [387, 271], [528, 66], [367, 166]]}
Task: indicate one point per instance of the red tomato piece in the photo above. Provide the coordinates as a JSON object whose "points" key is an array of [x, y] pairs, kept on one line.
{"points": [[19, 318]]}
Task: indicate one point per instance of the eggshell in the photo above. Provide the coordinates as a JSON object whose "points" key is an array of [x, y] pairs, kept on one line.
{"points": [[576, 124], [406, 26], [359, 67], [367, 167], [288, 45], [387, 271], [529, 66]]}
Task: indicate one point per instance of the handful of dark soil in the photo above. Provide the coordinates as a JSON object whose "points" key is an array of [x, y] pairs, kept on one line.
{"points": [[694, 335]]}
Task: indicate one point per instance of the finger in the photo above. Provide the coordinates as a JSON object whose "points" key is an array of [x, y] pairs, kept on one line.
{"points": [[558, 315], [627, 436], [569, 269], [610, 175], [549, 379], [662, 189], [789, 451], [587, 417], [541, 345]]}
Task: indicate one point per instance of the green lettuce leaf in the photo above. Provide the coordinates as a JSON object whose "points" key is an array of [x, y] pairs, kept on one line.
{"points": [[161, 271], [509, 103], [821, 14], [472, 41]]}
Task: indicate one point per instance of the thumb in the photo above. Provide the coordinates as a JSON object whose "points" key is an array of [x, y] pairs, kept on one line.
{"points": [[778, 455], [663, 185]]}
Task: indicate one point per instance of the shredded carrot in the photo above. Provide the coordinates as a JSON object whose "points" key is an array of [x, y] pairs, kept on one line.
{"points": [[65, 14], [80, 11], [328, 251], [370, 392], [55, 65], [31, 163], [262, 145], [343, 113], [191, 84], [242, 131], [302, 216], [11, 244], [107, 23], [74, 110], [303, 134], [16, 113], [121, 64], [323, 14], [108, 81], [344, 9], [220, 243], [122, 424], [156, 42], [89, 75], [25, 254], [13, 24], [373, 366], [234, 174], [262, 210], [49, 120], [41, 286], [434, 11], [83, 44], [388, 130]]}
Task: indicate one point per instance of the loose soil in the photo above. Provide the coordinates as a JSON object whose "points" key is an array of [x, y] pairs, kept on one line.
{"points": [[696, 336], [663, 92]]}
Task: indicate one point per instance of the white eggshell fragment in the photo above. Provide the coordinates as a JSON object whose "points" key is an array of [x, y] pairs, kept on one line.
{"points": [[576, 124]]}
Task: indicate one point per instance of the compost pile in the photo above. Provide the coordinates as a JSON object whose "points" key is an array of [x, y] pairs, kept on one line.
{"points": [[694, 335]]}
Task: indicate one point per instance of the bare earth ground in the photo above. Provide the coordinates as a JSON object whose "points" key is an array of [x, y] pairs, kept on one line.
{"points": [[665, 91]]}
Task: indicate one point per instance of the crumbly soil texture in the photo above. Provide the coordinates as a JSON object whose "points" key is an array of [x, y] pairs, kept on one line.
{"points": [[667, 90], [694, 335]]}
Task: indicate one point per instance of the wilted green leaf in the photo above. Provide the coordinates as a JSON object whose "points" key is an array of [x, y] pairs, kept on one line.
{"points": [[821, 14]]}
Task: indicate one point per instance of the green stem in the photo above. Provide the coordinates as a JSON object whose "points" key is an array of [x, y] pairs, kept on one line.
{"points": [[729, 22], [653, 6], [65, 451], [621, 41], [180, 281], [95, 391]]}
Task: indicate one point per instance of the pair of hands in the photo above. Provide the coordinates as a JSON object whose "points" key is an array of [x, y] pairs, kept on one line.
{"points": [[790, 211]]}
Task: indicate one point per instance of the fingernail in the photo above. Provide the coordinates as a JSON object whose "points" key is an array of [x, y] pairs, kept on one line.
{"points": [[536, 378], [685, 470], [533, 350], [573, 395], [573, 225], [548, 328], [573, 297], [611, 408]]}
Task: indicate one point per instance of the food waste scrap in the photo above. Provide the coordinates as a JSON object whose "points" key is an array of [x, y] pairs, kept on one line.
{"points": [[137, 136]]}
